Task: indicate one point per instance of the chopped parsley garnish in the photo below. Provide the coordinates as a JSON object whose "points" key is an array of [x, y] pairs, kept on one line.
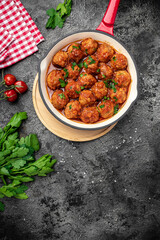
{"points": [[70, 106], [66, 71], [101, 106], [81, 75], [106, 98], [98, 70], [76, 47], [61, 95], [62, 82], [78, 92], [116, 99], [110, 83], [80, 65], [113, 87], [82, 87], [116, 108], [73, 65], [98, 109], [86, 51], [103, 75], [70, 87], [85, 65], [91, 60], [114, 59]]}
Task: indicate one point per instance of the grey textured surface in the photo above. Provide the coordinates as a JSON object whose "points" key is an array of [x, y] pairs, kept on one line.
{"points": [[107, 189]]}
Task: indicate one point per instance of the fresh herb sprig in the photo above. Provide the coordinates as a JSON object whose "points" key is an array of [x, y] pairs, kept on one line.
{"points": [[17, 160], [58, 17]]}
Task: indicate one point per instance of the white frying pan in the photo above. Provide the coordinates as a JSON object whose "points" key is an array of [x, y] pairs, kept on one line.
{"points": [[103, 33]]}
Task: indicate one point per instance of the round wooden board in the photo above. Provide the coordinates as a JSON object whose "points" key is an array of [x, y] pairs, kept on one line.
{"points": [[58, 128]]}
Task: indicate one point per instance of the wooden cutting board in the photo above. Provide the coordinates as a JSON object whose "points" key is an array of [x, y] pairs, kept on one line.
{"points": [[58, 128]]}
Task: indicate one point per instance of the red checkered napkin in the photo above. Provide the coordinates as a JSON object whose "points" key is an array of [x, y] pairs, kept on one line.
{"points": [[20, 27], [5, 39]]}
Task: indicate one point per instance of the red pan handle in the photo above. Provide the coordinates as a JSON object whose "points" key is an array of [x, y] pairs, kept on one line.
{"points": [[109, 17]]}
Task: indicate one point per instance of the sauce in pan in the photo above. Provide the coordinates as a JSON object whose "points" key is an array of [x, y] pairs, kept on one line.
{"points": [[88, 81]]}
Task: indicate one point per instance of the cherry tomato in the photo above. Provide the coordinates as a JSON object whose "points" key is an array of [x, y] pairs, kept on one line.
{"points": [[11, 95], [20, 86], [9, 79]]}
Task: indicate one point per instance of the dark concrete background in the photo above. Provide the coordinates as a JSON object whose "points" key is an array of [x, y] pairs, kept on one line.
{"points": [[107, 189]]}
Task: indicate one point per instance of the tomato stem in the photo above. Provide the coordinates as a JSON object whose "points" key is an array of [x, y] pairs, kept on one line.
{"points": [[2, 82]]}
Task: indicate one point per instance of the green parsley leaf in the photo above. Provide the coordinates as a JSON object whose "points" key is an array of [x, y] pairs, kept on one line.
{"points": [[82, 87], [78, 92], [81, 75], [18, 164], [101, 106], [114, 58], [116, 99], [68, 5], [103, 75], [61, 7], [98, 70], [2, 207], [86, 51], [113, 87], [110, 83], [80, 65], [73, 65], [61, 95], [62, 82], [116, 108], [85, 65], [97, 109], [76, 47], [51, 12], [70, 87], [91, 60], [70, 106], [66, 71], [105, 97]]}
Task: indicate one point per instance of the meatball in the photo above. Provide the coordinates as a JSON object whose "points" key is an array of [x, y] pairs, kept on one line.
{"points": [[75, 53], [60, 58], [86, 80], [91, 64], [86, 98], [105, 72], [89, 115], [119, 96], [89, 46], [118, 62], [73, 70], [104, 52], [53, 79], [72, 89], [73, 109], [99, 89], [123, 78], [106, 109], [59, 99]]}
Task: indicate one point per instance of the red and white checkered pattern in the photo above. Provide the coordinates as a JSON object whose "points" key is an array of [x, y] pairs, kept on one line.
{"points": [[18, 24], [5, 39]]}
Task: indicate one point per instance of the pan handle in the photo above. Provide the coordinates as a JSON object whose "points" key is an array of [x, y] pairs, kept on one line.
{"points": [[109, 17]]}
